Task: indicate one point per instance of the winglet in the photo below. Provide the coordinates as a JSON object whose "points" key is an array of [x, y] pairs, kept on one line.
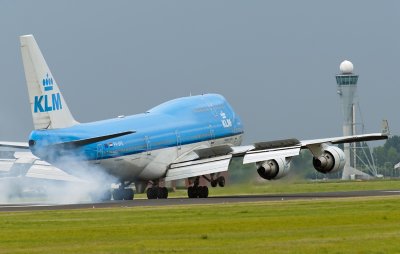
{"points": [[385, 127]]}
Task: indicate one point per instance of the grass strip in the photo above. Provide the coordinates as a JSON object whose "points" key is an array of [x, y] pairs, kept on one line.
{"points": [[350, 225]]}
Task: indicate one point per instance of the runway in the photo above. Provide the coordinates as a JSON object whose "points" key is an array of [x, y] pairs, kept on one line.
{"points": [[198, 201]]}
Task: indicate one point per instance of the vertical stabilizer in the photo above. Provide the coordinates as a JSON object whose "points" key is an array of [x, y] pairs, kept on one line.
{"points": [[49, 110]]}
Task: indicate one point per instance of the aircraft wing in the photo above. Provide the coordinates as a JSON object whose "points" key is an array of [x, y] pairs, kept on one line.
{"points": [[26, 165], [346, 139], [18, 145], [217, 159]]}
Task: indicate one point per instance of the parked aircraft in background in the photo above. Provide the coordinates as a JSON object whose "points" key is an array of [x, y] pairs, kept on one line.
{"points": [[185, 138]]}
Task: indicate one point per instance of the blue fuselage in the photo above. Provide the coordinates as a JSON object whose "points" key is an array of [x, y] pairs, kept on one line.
{"points": [[174, 123]]}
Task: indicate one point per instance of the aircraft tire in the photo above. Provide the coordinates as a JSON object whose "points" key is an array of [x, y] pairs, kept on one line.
{"points": [[221, 181], [128, 194], [152, 193], [162, 193], [192, 192], [203, 191], [214, 183], [118, 194]]}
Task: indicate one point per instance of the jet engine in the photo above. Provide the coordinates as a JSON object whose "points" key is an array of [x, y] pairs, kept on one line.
{"points": [[273, 169], [331, 160]]}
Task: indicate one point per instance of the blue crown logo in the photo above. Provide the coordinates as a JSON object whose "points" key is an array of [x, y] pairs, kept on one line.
{"points": [[48, 83]]}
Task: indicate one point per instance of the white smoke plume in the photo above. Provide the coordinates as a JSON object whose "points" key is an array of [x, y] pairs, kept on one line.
{"points": [[89, 182]]}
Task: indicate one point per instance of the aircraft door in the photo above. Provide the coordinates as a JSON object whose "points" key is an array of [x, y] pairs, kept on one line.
{"points": [[178, 139], [212, 135], [100, 151], [148, 145]]}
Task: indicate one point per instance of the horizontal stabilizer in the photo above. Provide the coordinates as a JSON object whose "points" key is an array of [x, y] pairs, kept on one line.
{"points": [[198, 167], [82, 142], [14, 145], [45, 171], [25, 166]]}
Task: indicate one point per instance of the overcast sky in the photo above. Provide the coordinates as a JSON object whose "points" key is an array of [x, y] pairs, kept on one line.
{"points": [[275, 61]]}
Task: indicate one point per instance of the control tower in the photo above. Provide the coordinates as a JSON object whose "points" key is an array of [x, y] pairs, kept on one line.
{"points": [[347, 91], [347, 88]]}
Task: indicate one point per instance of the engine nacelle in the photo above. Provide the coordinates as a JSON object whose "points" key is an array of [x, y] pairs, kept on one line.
{"points": [[273, 169], [331, 160]]}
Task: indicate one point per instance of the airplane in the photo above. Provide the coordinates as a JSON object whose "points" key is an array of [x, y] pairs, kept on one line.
{"points": [[186, 138]]}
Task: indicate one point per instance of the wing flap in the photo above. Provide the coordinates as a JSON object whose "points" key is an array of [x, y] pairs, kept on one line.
{"points": [[264, 155], [213, 151], [198, 167], [276, 144]]}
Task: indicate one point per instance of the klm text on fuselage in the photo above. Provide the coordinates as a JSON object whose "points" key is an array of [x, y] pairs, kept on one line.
{"points": [[47, 102]]}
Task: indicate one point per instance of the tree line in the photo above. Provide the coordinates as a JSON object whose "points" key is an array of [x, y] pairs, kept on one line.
{"points": [[387, 156]]}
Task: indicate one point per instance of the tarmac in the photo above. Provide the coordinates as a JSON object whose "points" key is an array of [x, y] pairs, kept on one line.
{"points": [[197, 201]]}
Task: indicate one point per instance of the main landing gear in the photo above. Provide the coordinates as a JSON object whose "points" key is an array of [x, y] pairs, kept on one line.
{"points": [[157, 192], [123, 193], [197, 191], [219, 181]]}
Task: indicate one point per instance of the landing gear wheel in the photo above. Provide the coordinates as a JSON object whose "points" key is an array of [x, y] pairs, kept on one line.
{"points": [[118, 194], [152, 193], [221, 181], [157, 192], [202, 191], [192, 192], [128, 194], [123, 194], [162, 192], [214, 183]]}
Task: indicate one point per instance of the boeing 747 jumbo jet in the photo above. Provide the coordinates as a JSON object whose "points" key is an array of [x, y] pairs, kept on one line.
{"points": [[185, 138]]}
